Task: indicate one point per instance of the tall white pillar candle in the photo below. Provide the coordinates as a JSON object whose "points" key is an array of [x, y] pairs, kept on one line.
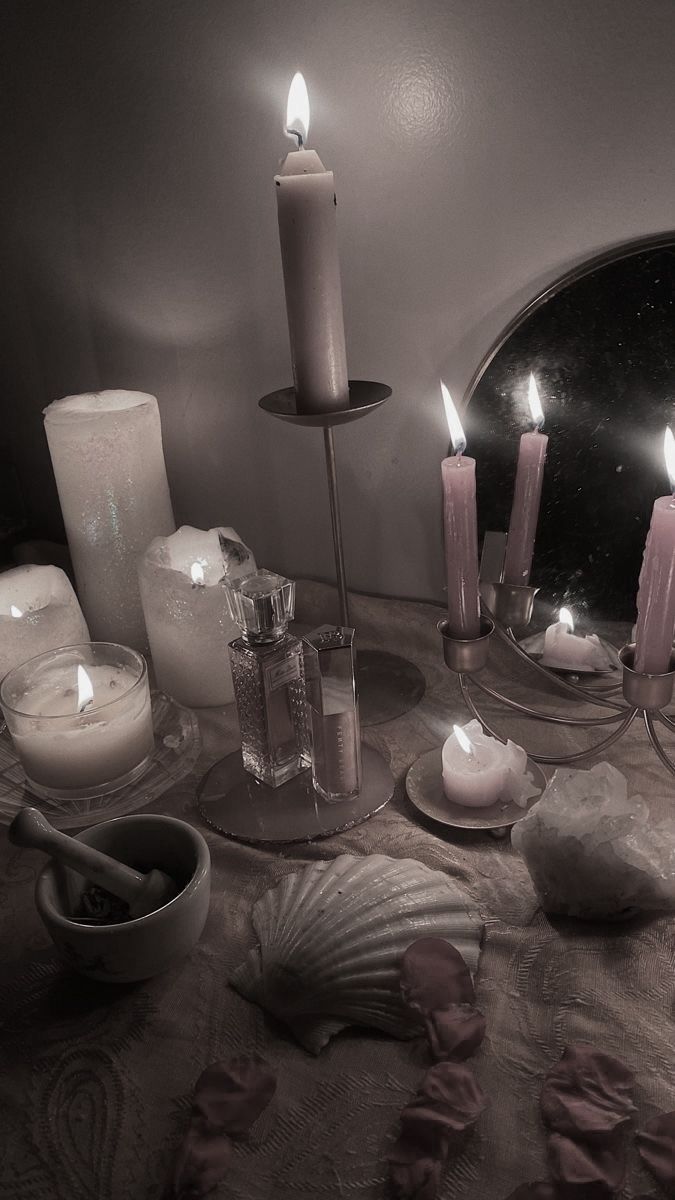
{"points": [[461, 531], [306, 207], [38, 611], [187, 614], [106, 449]]}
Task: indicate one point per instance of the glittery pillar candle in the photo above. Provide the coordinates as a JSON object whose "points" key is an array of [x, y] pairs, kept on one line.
{"points": [[106, 449]]}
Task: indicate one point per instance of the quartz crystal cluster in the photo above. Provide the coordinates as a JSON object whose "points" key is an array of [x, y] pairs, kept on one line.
{"points": [[591, 850]]}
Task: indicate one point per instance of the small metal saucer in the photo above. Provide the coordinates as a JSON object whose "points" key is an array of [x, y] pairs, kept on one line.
{"points": [[424, 785], [364, 397]]}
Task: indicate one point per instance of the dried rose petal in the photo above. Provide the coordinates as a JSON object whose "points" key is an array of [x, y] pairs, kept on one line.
{"points": [[455, 1033], [587, 1093], [201, 1163], [601, 1164], [228, 1098], [434, 975], [656, 1144], [436, 982], [448, 1103], [231, 1096]]}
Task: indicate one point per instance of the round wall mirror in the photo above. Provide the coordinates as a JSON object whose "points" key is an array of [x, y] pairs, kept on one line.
{"points": [[601, 345]]}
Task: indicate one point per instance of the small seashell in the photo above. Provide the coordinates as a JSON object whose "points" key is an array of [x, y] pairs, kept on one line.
{"points": [[332, 938]]}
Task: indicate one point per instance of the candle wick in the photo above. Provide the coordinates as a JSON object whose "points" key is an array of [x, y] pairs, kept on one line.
{"points": [[296, 134]]}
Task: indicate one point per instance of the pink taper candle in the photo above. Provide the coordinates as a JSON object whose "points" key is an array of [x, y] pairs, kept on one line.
{"points": [[526, 496], [461, 533], [656, 595], [306, 208]]}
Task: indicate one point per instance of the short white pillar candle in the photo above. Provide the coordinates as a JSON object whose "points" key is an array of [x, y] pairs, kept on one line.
{"points": [[80, 719], [186, 611], [479, 770], [38, 611], [106, 449], [564, 650]]}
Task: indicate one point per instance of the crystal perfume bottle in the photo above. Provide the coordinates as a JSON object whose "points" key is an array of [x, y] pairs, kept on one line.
{"points": [[333, 707], [268, 677]]}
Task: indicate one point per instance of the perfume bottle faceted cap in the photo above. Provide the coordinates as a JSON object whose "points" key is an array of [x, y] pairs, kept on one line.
{"points": [[329, 668], [262, 604]]}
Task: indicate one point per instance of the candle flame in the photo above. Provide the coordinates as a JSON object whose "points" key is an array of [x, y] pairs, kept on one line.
{"points": [[197, 574], [463, 741], [85, 691], [14, 611], [565, 617], [669, 452], [297, 110], [534, 402], [457, 435]]}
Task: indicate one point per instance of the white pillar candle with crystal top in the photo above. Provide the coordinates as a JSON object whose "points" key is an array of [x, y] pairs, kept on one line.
{"points": [[38, 611], [306, 207], [479, 770], [80, 719], [182, 580], [106, 449]]}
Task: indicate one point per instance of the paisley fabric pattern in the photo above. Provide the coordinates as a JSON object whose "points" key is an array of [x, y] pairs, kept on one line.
{"points": [[96, 1082]]}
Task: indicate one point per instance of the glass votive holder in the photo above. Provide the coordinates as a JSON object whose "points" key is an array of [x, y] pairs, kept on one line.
{"points": [[80, 719]]}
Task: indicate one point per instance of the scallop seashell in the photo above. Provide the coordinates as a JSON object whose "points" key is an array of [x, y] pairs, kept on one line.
{"points": [[332, 937]]}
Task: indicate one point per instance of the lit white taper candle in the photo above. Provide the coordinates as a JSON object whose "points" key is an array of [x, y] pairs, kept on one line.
{"points": [[306, 206]]}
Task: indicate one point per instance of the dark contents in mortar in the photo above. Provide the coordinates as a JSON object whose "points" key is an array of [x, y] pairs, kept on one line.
{"points": [[98, 907]]}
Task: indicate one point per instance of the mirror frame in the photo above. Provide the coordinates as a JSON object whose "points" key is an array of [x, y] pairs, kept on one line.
{"points": [[615, 253]]}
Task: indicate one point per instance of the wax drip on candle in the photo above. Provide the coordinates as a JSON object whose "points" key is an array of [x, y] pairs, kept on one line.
{"points": [[197, 575], [85, 691], [297, 110], [669, 453], [534, 402], [463, 741], [14, 611], [565, 618], [457, 435]]}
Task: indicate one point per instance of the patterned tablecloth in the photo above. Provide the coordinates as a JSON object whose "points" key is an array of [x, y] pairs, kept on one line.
{"points": [[95, 1081]]}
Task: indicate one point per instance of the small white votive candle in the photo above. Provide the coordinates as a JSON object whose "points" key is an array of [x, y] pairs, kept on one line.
{"points": [[566, 651], [38, 611], [80, 719], [186, 612], [479, 770]]}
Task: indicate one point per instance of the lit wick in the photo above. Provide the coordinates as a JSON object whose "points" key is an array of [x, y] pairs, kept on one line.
{"points": [[463, 741], [669, 453], [457, 435], [297, 111], [565, 618], [85, 691], [534, 402]]}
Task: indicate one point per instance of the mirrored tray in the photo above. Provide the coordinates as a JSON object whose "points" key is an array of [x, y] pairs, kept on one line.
{"points": [[177, 746], [424, 786]]}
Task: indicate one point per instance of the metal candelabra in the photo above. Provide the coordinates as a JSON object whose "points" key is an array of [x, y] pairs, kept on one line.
{"points": [[507, 607]]}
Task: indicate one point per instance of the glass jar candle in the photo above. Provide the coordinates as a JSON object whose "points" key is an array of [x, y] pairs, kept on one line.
{"points": [[80, 719]]}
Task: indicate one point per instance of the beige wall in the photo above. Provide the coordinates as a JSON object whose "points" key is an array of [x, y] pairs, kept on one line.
{"points": [[480, 147]]}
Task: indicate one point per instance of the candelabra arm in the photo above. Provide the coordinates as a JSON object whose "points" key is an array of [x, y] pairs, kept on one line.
{"points": [[552, 760], [666, 721], [654, 739], [525, 710], [580, 693]]}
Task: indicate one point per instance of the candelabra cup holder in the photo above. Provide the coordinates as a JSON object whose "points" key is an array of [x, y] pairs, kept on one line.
{"points": [[467, 655], [511, 603], [389, 685], [643, 691]]}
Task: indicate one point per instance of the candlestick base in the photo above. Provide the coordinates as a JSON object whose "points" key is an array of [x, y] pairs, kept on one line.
{"points": [[240, 807], [389, 685]]}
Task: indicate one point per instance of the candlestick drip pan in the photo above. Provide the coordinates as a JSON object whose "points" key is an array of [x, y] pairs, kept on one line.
{"points": [[424, 785], [177, 746]]}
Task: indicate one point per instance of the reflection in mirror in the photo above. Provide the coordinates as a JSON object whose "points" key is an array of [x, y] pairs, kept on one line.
{"points": [[601, 346]]}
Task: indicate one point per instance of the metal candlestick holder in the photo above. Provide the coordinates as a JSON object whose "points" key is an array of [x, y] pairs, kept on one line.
{"points": [[389, 685], [508, 607]]}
